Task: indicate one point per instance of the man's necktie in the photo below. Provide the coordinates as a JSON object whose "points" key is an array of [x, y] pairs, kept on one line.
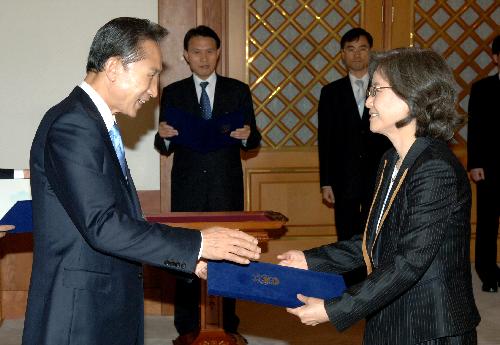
{"points": [[360, 96], [116, 139], [206, 110]]}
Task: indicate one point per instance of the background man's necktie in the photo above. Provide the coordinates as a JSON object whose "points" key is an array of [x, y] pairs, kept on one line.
{"points": [[116, 139], [206, 110], [360, 96]]}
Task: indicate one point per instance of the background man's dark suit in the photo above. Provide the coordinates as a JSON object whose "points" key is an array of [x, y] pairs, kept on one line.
{"points": [[6, 173], [349, 154], [210, 181], [420, 287], [204, 182], [482, 152], [86, 286]]}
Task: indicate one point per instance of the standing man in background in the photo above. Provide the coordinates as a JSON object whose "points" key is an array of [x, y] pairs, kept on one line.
{"points": [[205, 181], [484, 168], [89, 234], [349, 153]]}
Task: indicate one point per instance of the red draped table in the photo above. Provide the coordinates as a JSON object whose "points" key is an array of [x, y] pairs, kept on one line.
{"points": [[264, 225]]}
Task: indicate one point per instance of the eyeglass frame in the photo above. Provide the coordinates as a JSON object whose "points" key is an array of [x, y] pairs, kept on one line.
{"points": [[372, 90]]}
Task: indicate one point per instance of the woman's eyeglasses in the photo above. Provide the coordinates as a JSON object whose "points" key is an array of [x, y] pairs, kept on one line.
{"points": [[372, 91]]}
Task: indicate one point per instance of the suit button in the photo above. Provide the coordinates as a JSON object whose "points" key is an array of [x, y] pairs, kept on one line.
{"points": [[139, 276], [204, 171], [183, 266]]}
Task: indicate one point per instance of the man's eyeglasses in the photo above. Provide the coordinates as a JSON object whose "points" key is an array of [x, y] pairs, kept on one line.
{"points": [[372, 91]]}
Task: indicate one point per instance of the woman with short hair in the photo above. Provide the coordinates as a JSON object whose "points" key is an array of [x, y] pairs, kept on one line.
{"points": [[416, 241]]}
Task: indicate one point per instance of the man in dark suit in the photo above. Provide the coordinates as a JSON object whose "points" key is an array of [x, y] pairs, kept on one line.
{"points": [[484, 167], [348, 152], [90, 237], [205, 181]]}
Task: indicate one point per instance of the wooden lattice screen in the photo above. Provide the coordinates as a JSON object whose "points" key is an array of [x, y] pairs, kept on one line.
{"points": [[293, 50]]}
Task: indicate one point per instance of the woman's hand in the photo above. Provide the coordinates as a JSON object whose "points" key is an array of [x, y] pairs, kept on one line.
{"points": [[293, 258], [313, 311]]}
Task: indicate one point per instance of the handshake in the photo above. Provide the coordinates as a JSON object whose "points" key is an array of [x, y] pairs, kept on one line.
{"points": [[226, 244]]}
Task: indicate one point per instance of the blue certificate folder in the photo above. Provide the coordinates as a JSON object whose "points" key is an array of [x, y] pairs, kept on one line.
{"points": [[271, 284], [20, 215], [203, 135]]}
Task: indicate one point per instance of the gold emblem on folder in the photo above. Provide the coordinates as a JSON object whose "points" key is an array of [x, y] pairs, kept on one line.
{"points": [[264, 279]]}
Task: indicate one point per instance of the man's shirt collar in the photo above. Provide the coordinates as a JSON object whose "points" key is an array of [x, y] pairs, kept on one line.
{"points": [[102, 107], [364, 78], [212, 79]]}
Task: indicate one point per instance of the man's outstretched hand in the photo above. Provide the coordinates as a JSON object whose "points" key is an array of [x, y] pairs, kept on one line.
{"points": [[231, 245]]}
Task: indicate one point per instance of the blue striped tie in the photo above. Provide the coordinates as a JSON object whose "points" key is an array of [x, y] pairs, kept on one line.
{"points": [[206, 110], [116, 139]]}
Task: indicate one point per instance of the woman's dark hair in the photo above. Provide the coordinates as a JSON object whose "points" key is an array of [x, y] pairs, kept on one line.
{"points": [[422, 79], [203, 31], [122, 37]]}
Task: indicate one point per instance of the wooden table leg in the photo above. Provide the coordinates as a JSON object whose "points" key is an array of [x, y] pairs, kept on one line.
{"points": [[212, 332]]}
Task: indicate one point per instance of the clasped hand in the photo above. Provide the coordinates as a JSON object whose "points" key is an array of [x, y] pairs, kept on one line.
{"points": [[241, 133], [166, 131]]}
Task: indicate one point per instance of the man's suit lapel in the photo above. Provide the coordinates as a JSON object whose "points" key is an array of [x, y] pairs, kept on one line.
{"points": [[133, 195], [366, 117], [92, 111], [218, 96], [191, 101]]}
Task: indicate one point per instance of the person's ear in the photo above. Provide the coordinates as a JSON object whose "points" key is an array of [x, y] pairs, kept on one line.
{"points": [[186, 56], [112, 68]]}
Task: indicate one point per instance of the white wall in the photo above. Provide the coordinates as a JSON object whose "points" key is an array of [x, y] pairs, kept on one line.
{"points": [[43, 51]]}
